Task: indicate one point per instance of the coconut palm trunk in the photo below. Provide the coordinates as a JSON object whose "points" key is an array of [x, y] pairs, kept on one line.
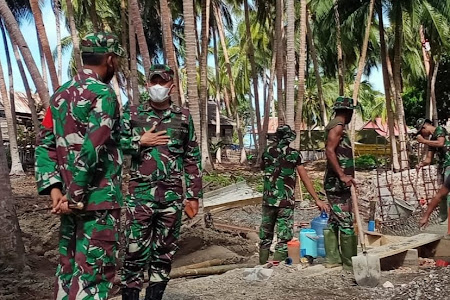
{"points": [[133, 61], [135, 13], [18, 39], [44, 42], [190, 63], [251, 56], [341, 67], [31, 103], [218, 137], [206, 158], [56, 5], [280, 53], [433, 92], [169, 50], [312, 47], [290, 63], [388, 93], [16, 165], [361, 65], [74, 35], [11, 245], [43, 62], [301, 71], [94, 16]]}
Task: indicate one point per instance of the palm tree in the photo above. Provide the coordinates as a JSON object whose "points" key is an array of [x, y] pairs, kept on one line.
{"points": [[133, 63], [44, 42], [190, 63], [218, 137], [16, 165], [18, 39], [290, 62], [11, 244], [135, 12], [280, 53], [10, 75], [301, 70], [341, 68], [56, 5], [74, 35], [166, 22]]}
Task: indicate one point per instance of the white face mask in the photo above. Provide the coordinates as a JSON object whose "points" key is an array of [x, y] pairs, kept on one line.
{"points": [[159, 93]]}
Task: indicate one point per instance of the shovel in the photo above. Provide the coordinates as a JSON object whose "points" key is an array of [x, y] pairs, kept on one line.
{"points": [[366, 268]]}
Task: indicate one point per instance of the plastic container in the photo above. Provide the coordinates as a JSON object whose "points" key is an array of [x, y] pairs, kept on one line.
{"points": [[320, 223], [294, 251], [308, 242]]}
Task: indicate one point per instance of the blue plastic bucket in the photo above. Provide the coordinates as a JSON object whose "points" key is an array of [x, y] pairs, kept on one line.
{"points": [[308, 242]]}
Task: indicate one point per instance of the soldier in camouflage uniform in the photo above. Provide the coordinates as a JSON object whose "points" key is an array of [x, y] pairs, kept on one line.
{"points": [[438, 141], [338, 179], [77, 155], [161, 140], [280, 164]]}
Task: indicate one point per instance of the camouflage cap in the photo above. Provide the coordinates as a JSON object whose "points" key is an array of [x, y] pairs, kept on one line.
{"points": [[420, 122], [284, 132], [343, 103], [101, 42], [164, 71]]}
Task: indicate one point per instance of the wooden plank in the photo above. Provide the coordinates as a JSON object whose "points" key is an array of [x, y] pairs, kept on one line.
{"points": [[404, 245], [233, 204]]}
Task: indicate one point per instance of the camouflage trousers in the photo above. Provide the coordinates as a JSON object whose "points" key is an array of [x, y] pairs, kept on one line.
{"points": [[341, 211], [444, 205], [152, 230], [88, 247], [283, 217]]}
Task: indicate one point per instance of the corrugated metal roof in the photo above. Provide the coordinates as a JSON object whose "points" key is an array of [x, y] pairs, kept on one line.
{"points": [[21, 103]]}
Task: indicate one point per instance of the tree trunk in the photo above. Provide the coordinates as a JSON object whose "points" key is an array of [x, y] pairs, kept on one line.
{"points": [[397, 80], [388, 93], [206, 158], [361, 65], [11, 245], [251, 56], [190, 63], [433, 92], [301, 71], [290, 63], [16, 165], [135, 13], [280, 53], [133, 61], [74, 35], [341, 67], [226, 99], [31, 102], [241, 138], [218, 137], [94, 17], [426, 63], [115, 84], [43, 62], [57, 12], [10, 76], [44, 42], [315, 60], [223, 43], [18, 39], [272, 80], [169, 50]]}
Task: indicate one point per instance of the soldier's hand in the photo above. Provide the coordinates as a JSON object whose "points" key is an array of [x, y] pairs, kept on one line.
{"points": [[424, 221], [348, 180], [63, 207], [323, 206], [192, 207], [55, 195], [152, 138], [421, 139]]}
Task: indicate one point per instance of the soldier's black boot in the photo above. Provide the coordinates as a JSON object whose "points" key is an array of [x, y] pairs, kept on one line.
{"points": [[130, 294], [155, 290]]}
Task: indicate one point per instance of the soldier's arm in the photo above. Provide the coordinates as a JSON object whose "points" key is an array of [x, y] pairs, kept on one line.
{"points": [[439, 143], [101, 121], [192, 165], [427, 159], [334, 138], [48, 176], [130, 144]]}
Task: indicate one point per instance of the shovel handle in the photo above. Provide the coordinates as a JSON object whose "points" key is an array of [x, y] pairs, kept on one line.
{"points": [[358, 218]]}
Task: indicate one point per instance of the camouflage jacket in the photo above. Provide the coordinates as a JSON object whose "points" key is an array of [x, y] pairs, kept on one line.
{"points": [[77, 148], [279, 165], [443, 153], [344, 154], [156, 172]]}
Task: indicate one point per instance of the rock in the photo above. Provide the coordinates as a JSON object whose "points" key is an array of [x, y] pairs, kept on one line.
{"points": [[388, 285], [304, 204]]}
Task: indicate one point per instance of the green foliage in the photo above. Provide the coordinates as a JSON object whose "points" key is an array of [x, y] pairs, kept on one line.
{"points": [[366, 162], [318, 186], [221, 180], [414, 104]]}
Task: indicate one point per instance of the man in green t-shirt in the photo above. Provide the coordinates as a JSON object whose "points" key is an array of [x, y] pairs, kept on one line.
{"points": [[437, 140]]}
